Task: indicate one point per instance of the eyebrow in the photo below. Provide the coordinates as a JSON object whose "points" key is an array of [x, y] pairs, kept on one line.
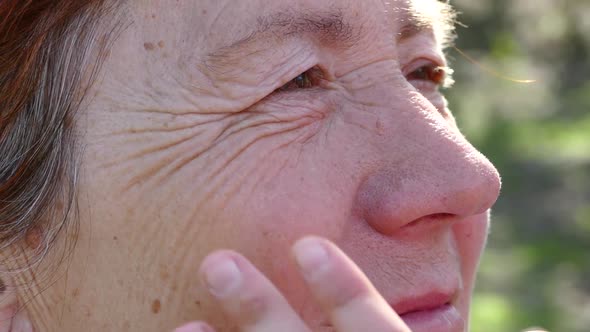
{"points": [[329, 27], [412, 28]]}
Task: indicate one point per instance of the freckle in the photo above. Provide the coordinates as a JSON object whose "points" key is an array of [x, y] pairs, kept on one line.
{"points": [[149, 46], [153, 15], [156, 306], [115, 238], [204, 12], [198, 303], [76, 292], [33, 238], [161, 44]]}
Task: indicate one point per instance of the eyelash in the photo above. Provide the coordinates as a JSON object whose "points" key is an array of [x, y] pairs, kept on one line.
{"points": [[427, 75]]}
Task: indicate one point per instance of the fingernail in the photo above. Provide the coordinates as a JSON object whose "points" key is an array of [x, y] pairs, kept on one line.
{"points": [[194, 327], [223, 277], [311, 255]]}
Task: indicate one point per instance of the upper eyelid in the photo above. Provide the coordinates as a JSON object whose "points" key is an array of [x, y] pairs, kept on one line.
{"points": [[424, 60]]}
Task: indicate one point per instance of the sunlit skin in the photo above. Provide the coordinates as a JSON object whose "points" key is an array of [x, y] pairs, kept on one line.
{"points": [[201, 135]]}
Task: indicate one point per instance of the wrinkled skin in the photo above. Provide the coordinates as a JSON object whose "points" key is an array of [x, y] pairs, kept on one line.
{"points": [[189, 148]]}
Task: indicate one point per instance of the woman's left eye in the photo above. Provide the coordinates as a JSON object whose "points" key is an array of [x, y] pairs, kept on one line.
{"points": [[306, 80], [429, 73]]}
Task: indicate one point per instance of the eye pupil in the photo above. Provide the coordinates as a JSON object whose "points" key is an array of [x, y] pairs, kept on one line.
{"points": [[303, 81]]}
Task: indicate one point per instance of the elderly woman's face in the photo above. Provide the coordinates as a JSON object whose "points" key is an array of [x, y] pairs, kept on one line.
{"points": [[248, 124]]}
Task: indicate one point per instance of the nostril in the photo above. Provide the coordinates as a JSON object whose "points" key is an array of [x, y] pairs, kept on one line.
{"points": [[420, 205], [432, 220]]}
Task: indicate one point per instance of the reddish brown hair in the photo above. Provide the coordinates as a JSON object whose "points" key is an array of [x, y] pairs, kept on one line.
{"points": [[47, 48]]}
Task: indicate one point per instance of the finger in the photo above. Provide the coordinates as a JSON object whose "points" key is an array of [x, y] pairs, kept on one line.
{"points": [[247, 296], [195, 327], [343, 290]]}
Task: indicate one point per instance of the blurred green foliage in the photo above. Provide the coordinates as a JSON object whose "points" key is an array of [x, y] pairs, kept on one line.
{"points": [[536, 270]]}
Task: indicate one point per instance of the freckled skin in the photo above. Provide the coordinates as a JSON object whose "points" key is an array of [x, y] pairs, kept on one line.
{"points": [[185, 154]]}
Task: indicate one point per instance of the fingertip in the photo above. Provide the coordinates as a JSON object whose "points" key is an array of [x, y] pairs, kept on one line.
{"points": [[195, 327], [333, 278], [246, 296], [311, 255], [221, 274]]}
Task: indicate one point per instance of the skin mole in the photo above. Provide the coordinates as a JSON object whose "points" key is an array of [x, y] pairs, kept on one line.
{"points": [[156, 306]]}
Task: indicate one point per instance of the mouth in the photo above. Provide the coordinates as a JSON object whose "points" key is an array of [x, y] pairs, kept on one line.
{"points": [[432, 312]]}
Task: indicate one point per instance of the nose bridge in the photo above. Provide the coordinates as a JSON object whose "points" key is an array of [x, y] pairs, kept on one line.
{"points": [[428, 167]]}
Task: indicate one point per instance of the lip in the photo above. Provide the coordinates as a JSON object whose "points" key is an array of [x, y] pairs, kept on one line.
{"points": [[433, 312]]}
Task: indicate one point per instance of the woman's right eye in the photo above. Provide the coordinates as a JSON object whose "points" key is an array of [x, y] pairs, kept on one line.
{"points": [[306, 80]]}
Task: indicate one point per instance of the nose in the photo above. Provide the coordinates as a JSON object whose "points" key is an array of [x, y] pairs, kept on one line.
{"points": [[428, 169]]}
